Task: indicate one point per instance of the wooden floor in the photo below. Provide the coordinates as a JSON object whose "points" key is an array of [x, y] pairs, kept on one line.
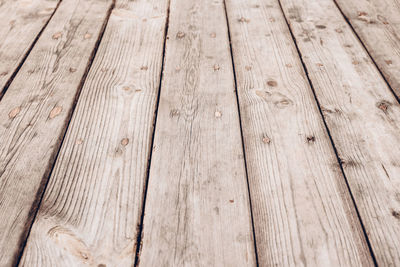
{"points": [[199, 133]]}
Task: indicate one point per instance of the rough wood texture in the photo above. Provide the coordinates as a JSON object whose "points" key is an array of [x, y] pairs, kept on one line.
{"points": [[34, 113], [362, 114], [197, 209], [20, 23], [303, 213], [92, 206], [377, 23]]}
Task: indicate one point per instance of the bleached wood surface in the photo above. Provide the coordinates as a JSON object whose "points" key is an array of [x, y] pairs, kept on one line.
{"points": [[362, 115], [35, 111], [313, 201], [21, 22], [93, 203], [377, 23], [197, 207], [303, 213]]}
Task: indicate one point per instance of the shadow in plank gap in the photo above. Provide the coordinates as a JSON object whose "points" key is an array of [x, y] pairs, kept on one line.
{"points": [[35, 111]]}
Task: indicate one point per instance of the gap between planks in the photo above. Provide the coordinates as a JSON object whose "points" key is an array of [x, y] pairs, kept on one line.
{"points": [[241, 132], [140, 234]]}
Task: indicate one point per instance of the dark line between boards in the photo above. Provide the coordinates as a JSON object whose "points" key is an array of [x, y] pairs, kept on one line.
{"points": [[241, 132], [140, 226]]}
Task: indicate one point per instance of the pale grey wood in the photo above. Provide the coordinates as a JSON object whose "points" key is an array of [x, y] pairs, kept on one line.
{"points": [[92, 206], [197, 209], [362, 114], [377, 23], [20, 23], [35, 110], [303, 213]]}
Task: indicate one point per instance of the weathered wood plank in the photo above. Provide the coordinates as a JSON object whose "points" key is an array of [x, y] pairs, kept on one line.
{"points": [[362, 114], [21, 22], [197, 208], [35, 110], [377, 23], [303, 213], [92, 206]]}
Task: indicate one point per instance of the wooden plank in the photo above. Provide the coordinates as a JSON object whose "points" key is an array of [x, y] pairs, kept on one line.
{"points": [[35, 111], [377, 23], [197, 208], [303, 213], [21, 21], [92, 206], [362, 114]]}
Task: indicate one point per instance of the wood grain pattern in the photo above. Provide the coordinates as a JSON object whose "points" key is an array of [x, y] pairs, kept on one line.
{"points": [[303, 213], [21, 21], [34, 113], [362, 114], [377, 23], [92, 206], [197, 209]]}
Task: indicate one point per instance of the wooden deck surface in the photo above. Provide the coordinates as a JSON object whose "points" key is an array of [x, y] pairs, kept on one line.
{"points": [[199, 133]]}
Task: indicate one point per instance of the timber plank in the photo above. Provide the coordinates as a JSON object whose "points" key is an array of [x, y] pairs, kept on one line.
{"points": [[93, 203], [303, 213], [377, 23], [21, 21], [362, 114], [197, 207], [35, 111]]}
